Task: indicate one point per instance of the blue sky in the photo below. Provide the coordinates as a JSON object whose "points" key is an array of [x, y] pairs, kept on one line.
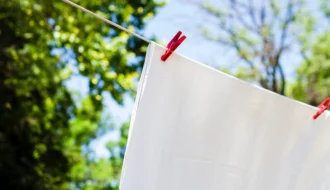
{"points": [[174, 16]]}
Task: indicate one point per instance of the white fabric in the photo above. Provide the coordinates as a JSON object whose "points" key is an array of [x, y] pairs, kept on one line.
{"points": [[195, 128]]}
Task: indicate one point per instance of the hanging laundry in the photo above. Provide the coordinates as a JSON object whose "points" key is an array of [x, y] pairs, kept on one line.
{"points": [[195, 128]]}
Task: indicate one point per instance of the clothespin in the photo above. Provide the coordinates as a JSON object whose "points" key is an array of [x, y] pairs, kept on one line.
{"points": [[323, 106], [172, 45]]}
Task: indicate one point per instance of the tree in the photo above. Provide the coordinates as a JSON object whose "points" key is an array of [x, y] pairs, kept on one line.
{"points": [[313, 75], [260, 33], [313, 81], [44, 130]]}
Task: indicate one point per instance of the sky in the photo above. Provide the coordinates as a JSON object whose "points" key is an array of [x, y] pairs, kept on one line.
{"points": [[176, 15]]}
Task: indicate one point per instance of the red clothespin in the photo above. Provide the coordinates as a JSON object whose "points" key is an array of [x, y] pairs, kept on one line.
{"points": [[172, 45], [323, 106]]}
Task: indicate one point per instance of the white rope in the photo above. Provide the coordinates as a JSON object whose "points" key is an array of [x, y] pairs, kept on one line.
{"points": [[107, 21]]}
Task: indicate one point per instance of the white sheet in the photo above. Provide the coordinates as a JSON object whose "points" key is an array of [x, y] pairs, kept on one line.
{"points": [[195, 128]]}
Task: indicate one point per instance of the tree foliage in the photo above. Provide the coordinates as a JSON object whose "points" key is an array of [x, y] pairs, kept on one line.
{"points": [[312, 84], [44, 130], [313, 75]]}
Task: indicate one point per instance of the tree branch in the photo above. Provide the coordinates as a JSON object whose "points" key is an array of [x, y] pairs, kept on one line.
{"points": [[252, 15], [239, 49], [232, 35], [283, 80], [288, 20], [275, 17], [239, 17]]}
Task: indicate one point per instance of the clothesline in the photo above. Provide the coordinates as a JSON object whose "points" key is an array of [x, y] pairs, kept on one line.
{"points": [[107, 21]]}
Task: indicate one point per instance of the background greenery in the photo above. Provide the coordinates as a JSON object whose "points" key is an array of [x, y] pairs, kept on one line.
{"points": [[45, 128]]}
